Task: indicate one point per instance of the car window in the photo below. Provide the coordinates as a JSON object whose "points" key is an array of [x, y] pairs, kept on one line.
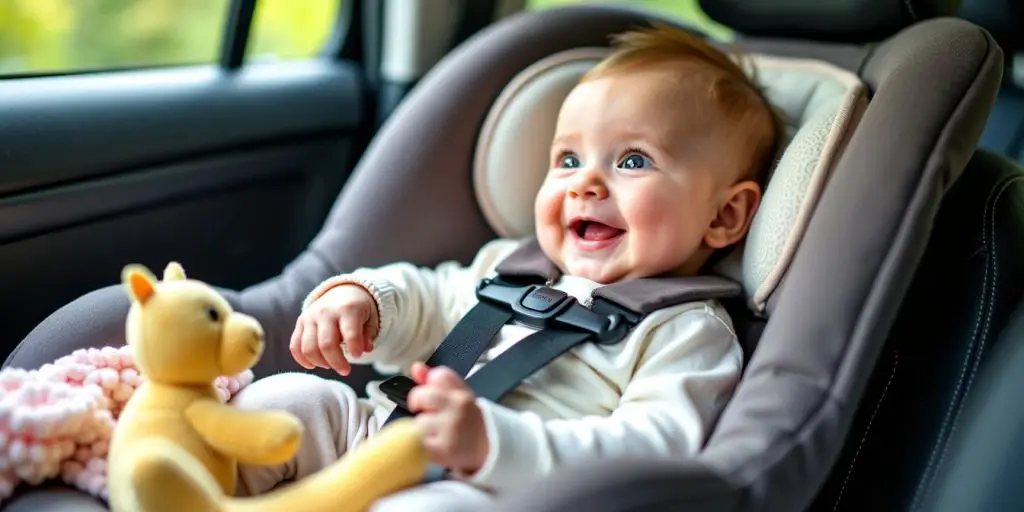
{"points": [[687, 10], [60, 36], [290, 29]]}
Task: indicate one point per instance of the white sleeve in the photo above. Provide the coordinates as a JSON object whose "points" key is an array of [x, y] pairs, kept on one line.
{"points": [[417, 306], [689, 371]]}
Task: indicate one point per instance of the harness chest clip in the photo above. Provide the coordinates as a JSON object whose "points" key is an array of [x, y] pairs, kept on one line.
{"points": [[543, 307]]}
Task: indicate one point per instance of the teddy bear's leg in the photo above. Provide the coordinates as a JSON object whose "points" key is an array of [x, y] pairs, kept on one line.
{"points": [[392, 460], [165, 477], [333, 418]]}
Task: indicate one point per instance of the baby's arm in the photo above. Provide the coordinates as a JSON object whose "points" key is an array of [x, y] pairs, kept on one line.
{"points": [[691, 366], [417, 306]]}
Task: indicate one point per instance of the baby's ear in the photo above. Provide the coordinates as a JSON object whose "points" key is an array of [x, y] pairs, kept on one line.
{"points": [[174, 272], [139, 282], [734, 215]]}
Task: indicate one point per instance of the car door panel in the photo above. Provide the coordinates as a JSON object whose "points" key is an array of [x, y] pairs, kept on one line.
{"points": [[78, 126], [230, 173]]}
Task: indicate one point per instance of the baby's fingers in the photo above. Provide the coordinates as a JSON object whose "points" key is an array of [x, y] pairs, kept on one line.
{"points": [[295, 346], [329, 343], [436, 438], [419, 372], [426, 398], [308, 342], [352, 335]]}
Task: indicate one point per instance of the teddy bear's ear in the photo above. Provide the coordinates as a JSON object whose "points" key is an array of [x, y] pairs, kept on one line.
{"points": [[139, 282], [174, 272]]}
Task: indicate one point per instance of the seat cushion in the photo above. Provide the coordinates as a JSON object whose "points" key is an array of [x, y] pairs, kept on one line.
{"points": [[821, 102]]}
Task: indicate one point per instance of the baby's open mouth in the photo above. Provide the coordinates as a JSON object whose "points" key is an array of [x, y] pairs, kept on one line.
{"points": [[594, 231]]}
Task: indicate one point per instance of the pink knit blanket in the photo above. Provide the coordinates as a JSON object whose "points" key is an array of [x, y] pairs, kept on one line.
{"points": [[56, 422]]}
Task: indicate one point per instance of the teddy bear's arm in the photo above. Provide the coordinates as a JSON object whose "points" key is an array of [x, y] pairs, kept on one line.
{"points": [[253, 437]]}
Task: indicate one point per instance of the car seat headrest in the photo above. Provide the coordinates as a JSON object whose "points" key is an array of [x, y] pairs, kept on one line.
{"points": [[844, 21], [822, 104]]}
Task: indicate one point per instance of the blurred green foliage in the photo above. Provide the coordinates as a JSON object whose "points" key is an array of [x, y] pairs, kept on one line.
{"points": [[46, 36], [687, 10], [53, 36]]}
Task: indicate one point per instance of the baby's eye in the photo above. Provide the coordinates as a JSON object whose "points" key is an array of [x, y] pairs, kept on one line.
{"points": [[568, 161], [636, 161]]}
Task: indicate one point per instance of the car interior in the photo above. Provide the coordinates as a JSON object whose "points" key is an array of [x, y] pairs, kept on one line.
{"points": [[881, 309]]}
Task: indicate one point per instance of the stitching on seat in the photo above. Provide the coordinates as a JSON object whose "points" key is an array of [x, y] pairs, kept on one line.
{"points": [[867, 430], [984, 339], [970, 350], [977, 342]]}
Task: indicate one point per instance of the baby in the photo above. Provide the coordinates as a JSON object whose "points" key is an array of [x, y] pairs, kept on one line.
{"points": [[655, 166]]}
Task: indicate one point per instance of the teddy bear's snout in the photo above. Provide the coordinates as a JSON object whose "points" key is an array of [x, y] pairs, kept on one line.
{"points": [[243, 343], [255, 343]]}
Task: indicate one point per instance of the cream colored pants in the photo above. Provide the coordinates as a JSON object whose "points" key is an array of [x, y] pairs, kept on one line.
{"points": [[336, 421]]}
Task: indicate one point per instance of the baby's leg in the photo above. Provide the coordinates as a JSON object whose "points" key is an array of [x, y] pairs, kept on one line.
{"points": [[443, 496], [335, 421]]}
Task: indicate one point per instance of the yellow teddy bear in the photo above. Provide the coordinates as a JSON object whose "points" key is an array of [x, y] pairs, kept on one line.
{"points": [[176, 446]]}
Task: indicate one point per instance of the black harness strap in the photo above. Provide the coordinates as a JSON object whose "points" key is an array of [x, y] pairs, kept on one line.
{"points": [[562, 324], [561, 321], [462, 345], [506, 372], [461, 349]]}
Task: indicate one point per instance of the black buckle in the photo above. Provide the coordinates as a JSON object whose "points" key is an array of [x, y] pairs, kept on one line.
{"points": [[397, 389], [543, 307]]}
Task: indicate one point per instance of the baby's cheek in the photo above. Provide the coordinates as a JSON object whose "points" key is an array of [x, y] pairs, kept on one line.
{"points": [[663, 230], [548, 207], [548, 220], [651, 214]]}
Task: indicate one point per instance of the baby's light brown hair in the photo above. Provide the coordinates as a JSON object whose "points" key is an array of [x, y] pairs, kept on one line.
{"points": [[735, 93]]}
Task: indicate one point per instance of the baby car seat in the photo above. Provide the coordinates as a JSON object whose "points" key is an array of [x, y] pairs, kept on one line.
{"points": [[875, 143]]}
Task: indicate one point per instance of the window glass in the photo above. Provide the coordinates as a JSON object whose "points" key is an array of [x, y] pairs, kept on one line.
{"points": [[59, 36], [688, 10], [47, 36], [289, 29]]}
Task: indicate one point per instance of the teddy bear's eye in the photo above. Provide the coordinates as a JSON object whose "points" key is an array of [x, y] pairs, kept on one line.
{"points": [[213, 314]]}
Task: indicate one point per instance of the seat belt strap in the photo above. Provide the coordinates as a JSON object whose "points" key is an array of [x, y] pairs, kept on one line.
{"points": [[571, 324], [533, 305], [467, 340], [459, 351], [507, 371]]}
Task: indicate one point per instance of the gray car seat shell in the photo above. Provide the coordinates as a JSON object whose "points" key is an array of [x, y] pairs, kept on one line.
{"points": [[777, 440]]}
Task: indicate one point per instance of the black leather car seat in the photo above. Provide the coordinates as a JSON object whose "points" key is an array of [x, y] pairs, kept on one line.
{"points": [[985, 468]]}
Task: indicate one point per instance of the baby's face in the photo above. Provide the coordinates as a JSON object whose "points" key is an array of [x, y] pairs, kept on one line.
{"points": [[638, 177]]}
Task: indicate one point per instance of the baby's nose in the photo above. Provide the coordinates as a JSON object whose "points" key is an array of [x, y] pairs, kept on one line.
{"points": [[588, 184], [589, 191]]}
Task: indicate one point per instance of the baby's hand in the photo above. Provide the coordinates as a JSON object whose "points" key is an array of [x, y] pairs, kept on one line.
{"points": [[344, 314], [452, 422]]}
